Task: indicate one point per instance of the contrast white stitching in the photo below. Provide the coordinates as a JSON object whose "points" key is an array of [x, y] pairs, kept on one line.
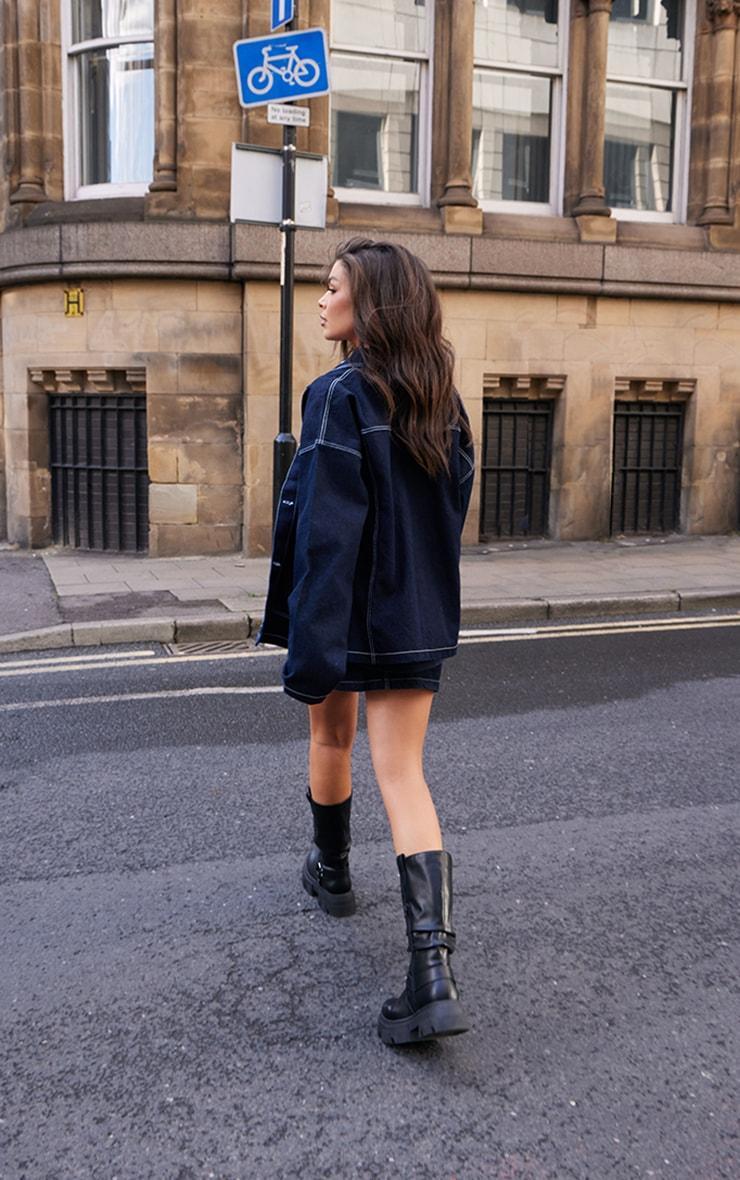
{"points": [[327, 406], [339, 447], [412, 651], [370, 429], [373, 566], [330, 394]]}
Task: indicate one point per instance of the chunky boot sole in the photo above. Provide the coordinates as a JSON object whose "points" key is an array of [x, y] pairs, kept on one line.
{"points": [[443, 1018], [339, 905]]}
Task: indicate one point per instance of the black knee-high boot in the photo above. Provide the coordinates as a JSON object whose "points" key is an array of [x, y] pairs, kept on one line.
{"points": [[326, 868], [429, 1007]]}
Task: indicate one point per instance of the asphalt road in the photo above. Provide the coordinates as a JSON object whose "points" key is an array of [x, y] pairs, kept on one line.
{"points": [[172, 1005]]}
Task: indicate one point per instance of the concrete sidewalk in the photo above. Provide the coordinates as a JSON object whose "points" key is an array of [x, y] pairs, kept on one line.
{"points": [[68, 598]]}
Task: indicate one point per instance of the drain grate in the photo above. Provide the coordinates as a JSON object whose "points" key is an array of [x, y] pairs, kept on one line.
{"points": [[215, 648]]}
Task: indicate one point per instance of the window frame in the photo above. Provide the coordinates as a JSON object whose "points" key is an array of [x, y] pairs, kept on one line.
{"points": [[425, 60], [558, 76], [680, 151], [74, 190]]}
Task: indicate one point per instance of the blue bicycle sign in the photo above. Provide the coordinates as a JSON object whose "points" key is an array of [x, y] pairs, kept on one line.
{"points": [[285, 64], [282, 67]]}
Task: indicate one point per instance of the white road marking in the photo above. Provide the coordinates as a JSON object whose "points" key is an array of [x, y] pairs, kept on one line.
{"points": [[589, 630], [116, 698], [33, 667], [113, 656], [647, 621], [37, 666]]}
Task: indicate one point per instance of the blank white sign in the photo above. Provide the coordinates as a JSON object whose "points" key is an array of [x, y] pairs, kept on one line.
{"points": [[257, 186]]}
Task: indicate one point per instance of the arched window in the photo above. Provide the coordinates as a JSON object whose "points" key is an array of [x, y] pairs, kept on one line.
{"points": [[109, 97], [380, 62]]}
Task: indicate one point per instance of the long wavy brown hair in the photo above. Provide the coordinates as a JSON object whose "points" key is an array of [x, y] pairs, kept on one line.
{"points": [[398, 322]]}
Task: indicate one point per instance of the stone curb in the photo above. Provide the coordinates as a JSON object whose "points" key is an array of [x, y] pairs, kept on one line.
{"points": [[198, 629], [212, 628]]}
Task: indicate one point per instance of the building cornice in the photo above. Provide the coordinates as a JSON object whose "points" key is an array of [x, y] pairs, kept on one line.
{"points": [[672, 267]]}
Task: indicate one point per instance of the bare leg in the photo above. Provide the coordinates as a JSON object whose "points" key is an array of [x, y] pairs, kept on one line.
{"points": [[397, 723], [333, 728]]}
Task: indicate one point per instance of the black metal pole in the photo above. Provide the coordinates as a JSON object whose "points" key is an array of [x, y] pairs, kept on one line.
{"points": [[284, 447]]}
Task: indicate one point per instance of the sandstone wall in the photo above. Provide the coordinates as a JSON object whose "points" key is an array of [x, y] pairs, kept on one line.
{"points": [[186, 336], [590, 342], [209, 355]]}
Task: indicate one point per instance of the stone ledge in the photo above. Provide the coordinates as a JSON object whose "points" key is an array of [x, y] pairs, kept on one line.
{"points": [[709, 599], [172, 241], [192, 630], [218, 251], [123, 631], [34, 246], [505, 610], [542, 259], [195, 628], [701, 268], [92, 209], [612, 604], [43, 637]]}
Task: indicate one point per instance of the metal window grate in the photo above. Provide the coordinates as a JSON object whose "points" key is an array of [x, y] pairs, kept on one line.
{"points": [[646, 480], [515, 474], [99, 476]]}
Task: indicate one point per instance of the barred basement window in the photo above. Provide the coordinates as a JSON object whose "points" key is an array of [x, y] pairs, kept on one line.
{"points": [[98, 457], [516, 459], [648, 455]]}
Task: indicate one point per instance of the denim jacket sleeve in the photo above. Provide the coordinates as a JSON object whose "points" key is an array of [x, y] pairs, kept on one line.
{"points": [[332, 504], [467, 463]]}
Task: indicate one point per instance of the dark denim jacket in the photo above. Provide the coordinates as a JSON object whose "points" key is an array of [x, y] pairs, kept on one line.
{"points": [[366, 550]]}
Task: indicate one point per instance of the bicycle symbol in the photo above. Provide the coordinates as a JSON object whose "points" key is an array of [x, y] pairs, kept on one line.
{"points": [[293, 70]]}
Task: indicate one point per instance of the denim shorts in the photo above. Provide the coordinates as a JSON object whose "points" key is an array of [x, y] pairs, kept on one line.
{"points": [[379, 677]]}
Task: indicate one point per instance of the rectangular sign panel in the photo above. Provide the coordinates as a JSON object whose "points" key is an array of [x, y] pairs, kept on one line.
{"points": [[288, 116], [282, 12], [257, 186], [282, 67]]}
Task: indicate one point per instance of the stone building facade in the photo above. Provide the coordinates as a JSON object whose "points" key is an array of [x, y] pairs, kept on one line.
{"points": [[570, 172]]}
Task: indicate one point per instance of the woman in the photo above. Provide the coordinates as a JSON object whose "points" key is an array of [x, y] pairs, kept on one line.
{"points": [[364, 593]]}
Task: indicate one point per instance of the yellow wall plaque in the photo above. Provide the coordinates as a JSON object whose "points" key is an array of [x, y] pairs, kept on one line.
{"points": [[74, 301]]}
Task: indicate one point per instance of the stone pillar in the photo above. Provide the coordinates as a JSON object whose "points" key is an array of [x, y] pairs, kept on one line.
{"points": [[723, 17], [247, 31], [30, 188], [8, 120], [51, 83], [700, 116], [575, 104], [165, 67], [318, 132], [591, 200], [460, 211]]}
